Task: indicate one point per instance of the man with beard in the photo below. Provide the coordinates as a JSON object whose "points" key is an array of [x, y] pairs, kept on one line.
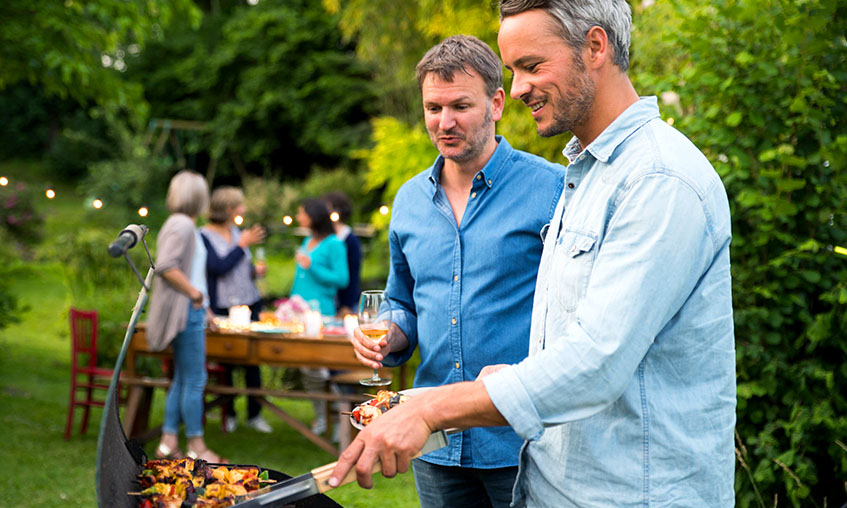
{"points": [[627, 398], [465, 248]]}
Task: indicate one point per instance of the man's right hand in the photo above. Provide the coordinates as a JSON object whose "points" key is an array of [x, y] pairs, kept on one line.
{"points": [[371, 353]]}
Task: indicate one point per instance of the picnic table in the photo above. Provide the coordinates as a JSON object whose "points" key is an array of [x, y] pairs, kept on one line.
{"points": [[248, 347]]}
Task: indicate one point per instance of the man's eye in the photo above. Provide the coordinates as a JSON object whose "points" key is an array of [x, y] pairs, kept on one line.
{"points": [[531, 67]]}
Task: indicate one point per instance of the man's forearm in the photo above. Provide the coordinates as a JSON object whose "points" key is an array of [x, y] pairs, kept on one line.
{"points": [[461, 405]]}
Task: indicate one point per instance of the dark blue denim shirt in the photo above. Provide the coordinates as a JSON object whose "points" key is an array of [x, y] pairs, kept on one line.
{"points": [[463, 294]]}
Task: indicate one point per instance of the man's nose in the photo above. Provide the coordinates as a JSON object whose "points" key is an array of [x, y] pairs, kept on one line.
{"points": [[520, 87], [447, 120]]}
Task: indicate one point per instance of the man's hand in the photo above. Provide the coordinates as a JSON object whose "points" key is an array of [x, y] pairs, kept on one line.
{"points": [[397, 435], [392, 439], [370, 352]]}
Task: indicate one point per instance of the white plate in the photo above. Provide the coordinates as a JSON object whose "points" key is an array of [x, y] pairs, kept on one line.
{"points": [[411, 392]]}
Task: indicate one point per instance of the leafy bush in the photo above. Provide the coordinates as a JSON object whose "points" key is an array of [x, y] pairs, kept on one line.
{"points": [[97, 281], [760, 87]]}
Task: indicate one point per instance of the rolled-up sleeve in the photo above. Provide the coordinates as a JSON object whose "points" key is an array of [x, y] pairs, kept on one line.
{"points": [[515, 404]]}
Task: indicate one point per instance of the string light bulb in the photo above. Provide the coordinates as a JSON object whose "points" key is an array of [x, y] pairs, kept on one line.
{"points": [[143, 211], [97, 204], [50, 193], [383, 210], [287, 220], [4, 181], [238, 220], [334, 216]]}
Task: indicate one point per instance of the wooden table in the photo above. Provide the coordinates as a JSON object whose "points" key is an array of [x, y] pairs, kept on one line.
{"points": [[250, 348]]}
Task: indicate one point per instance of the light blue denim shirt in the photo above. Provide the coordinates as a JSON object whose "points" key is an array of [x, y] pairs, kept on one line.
{"points": [[628, 396], [463, 295]]}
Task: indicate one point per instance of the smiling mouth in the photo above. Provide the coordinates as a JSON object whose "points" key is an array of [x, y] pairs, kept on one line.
{"points": [[538, 105]]}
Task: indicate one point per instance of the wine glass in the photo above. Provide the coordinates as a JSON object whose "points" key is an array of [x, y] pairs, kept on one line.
{"points": [[374, 321]]}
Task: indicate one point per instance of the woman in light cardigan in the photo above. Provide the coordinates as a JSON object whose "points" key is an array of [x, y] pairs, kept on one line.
{"points": [[177, 316]]}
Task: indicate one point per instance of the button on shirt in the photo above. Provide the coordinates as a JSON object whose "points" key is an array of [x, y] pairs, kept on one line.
{"points": [[463, 295], [628, 396]]}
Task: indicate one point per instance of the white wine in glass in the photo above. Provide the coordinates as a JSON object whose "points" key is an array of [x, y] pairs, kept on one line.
{"points": [[374, 322]]}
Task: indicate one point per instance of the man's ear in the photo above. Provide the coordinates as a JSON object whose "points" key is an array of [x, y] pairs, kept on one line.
{"points": [[596, 50], [498, 101]]}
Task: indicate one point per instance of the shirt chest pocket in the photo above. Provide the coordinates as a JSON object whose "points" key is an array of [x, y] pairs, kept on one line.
{"points": [[571, 268]]}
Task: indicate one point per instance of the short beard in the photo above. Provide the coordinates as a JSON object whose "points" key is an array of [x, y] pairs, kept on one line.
{"points": [[573, 109], [476, 140]]}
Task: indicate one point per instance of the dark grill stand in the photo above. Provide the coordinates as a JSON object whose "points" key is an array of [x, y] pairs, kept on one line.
{"points": [[120, 460]]}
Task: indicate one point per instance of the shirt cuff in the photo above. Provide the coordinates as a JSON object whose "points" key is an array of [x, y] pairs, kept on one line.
{"points": [[510, 398], [407, 324]]}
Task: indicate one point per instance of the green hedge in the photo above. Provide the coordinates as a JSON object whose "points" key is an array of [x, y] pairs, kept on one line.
{"points": [[760, 86]]}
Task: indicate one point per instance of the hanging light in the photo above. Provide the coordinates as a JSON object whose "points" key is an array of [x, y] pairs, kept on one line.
{"points": [[287, 220], [383, 210], [50, 193], [97, 204], [334, 216], [4, 181], [238, 220], [143, 211]]}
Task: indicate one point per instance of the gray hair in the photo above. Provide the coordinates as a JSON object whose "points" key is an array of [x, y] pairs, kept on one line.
{"points": [[577, 17], [457, 54], [188, 193]]}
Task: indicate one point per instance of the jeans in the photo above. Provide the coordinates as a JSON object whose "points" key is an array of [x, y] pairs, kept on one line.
{"points": [[184, 402], [465, 487]]}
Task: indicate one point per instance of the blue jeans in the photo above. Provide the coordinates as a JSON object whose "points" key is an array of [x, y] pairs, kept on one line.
{"points": [[465, 487], [185, 398]]}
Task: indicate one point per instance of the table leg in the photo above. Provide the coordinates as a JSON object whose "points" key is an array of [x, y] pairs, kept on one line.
{"points": [[300, 427]]}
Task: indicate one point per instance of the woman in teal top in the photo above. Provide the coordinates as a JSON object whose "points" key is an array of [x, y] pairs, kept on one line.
{"points": [[321, 259], [321, 272]]}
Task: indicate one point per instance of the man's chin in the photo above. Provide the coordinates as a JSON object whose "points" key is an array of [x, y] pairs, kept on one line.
{"points": [[548, 132]]}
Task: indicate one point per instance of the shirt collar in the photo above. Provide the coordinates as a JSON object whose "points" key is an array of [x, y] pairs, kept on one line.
{"points": [[489, 172], [632, 119]]}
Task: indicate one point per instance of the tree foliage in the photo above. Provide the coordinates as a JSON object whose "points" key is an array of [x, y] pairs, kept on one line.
{"points": [[278, 88], [76, 49]]}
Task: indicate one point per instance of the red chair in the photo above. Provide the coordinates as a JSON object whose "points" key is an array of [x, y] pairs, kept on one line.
{"points": [[85, 374]]}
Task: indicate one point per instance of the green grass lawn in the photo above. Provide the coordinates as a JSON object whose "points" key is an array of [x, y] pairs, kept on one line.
{"points": [[39, 468]]}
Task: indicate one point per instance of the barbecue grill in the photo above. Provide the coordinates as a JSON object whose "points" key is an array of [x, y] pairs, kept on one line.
{"points": [[120, 460]]}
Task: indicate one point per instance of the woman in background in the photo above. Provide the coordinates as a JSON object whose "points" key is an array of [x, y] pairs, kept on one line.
{"points": [[321, 259], [177, 315], [321, 271], [231, 278]]}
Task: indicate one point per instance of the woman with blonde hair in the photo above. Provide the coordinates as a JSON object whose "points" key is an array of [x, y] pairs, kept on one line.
{"points": [[178, 312], [231, 277]]}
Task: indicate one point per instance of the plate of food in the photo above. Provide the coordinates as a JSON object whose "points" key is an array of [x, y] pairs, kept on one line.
{"points": [[365, 413]]}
